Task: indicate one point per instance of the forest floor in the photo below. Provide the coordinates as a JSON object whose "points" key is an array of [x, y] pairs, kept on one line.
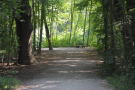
{"points": [[64, 69]]}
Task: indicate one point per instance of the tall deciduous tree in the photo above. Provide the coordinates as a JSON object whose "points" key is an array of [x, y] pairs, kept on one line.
{"points": [[41, 29], [24, 30], [47, 31]]}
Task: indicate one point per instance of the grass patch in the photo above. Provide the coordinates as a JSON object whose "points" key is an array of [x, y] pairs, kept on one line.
{"points": [[123, 82], [9, 83]]}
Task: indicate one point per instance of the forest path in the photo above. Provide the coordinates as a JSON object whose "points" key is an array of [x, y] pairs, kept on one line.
{"points": [[64, 69]]}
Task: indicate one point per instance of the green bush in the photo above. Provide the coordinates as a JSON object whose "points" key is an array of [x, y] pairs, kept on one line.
{"points": [[123, 82], [8, 83]]}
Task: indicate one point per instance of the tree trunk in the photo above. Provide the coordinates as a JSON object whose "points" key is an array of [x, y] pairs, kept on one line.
{"points": [[47, 33], [109, 39], [89, 23], [75, 30], [34, 25], [105, 15], [84, 26], [41, 29], [24, 30], [71, 27]]}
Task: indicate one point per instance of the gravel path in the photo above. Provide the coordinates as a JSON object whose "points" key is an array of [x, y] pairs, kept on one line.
{"points": [[64, 69]]}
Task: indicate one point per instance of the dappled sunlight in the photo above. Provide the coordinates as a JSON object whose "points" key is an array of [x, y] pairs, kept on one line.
{"points": [[71, 65], [64, 61], [75, 52], [30, 86], [60, 70], [45, 85], [66, 48], [76, 58], [54, 57], [92, 61], [72, 61], [72, 84], [101, 61], [50, 82], [49, 86], [85, 71], [67, 44], [77, 71], [63, 71]]}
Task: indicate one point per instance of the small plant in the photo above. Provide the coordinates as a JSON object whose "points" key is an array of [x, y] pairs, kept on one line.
{"points": [[8, 83]]}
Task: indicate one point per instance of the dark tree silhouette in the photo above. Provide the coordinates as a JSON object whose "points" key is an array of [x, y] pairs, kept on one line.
{"points": [[24, 30]]}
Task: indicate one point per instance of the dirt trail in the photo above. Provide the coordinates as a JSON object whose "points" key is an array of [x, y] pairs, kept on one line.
{"points": [[64, 69]]}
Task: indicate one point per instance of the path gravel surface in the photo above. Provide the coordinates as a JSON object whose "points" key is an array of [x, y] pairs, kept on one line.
{"points": [[64, 69]]}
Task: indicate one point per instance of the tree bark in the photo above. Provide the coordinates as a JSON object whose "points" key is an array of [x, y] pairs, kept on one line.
{"points": [[71, 27], [89, 23], [41, 29], [24, 30], [34, 25], [84, 28], [47, 33]]}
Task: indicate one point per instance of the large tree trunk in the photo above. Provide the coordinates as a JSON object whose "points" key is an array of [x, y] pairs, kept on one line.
{"points": [[109, 39], [24, 30], [131, 12]]}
